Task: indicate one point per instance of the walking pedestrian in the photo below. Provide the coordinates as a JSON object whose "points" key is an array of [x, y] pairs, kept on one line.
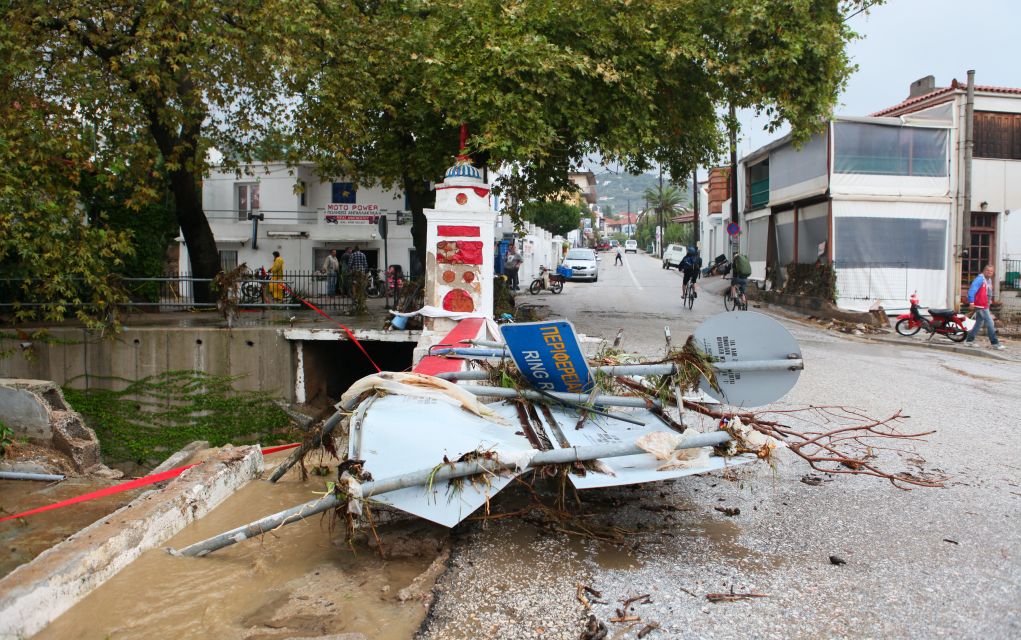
{"points": [[276, 276], [979, 297], [332, 268], [619, 260], [511, 264]]}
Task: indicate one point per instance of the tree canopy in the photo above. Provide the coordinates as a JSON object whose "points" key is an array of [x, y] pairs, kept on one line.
{"points": [[543, 83], [157, 83], [555, 216], [376, 91]]}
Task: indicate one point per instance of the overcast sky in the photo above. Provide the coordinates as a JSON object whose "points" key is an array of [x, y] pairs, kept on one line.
{"points": [[904, 40]]}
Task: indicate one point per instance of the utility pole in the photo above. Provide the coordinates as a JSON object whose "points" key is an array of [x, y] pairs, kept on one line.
{"points": [[969, 148], [694, 202], [662, 232], [733, 175]]}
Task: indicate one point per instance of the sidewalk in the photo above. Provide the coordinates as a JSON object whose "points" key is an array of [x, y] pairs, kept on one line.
{"points": [[1012, 353]]}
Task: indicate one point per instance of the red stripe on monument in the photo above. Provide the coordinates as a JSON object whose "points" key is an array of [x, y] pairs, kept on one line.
{"points": [[448, 231], [467, 329]]}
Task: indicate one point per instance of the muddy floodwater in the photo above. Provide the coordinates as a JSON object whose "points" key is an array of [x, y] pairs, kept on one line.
{"points": [[24, 539], [300, 581]]}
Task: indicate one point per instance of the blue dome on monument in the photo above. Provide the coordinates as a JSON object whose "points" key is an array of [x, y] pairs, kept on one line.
{"points": [[463, 170]]}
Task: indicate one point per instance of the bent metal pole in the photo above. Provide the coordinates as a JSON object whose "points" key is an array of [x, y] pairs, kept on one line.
{"points": [[425, 476]]}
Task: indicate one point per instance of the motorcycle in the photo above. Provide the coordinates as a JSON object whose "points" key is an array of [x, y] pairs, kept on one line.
{"points": [[945, 322], [556, 282], [374, 284]]}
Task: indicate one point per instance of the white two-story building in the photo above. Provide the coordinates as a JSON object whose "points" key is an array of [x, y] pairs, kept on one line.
{"points": [[881, 199], [290, 210]]}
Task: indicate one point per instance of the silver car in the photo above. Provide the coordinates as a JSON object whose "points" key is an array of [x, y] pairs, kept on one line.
{"points": [[583, 264]]}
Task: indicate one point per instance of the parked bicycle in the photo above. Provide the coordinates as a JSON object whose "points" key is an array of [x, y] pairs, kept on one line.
{"points": [[556, 282], [253, 288]]}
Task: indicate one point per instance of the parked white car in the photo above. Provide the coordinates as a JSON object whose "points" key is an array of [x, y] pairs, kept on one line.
{"points": [[673, 255], [583, 263], [631, 246]]}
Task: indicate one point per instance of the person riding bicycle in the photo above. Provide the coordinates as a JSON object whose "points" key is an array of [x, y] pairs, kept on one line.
{"points": [[741, 270], [691, 267]]}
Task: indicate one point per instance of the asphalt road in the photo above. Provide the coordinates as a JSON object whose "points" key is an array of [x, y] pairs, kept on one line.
{"points": [[926, 563]]}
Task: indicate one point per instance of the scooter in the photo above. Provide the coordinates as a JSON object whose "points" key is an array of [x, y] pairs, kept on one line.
{"points": [[945, 322], [556, 282]]}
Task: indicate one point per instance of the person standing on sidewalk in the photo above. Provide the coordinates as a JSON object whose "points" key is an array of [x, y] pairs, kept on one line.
{"points": [[511, 264], [979, 297], [332, 268]]}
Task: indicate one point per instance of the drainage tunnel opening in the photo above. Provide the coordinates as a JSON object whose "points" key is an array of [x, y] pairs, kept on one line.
{"points": [[331, 367]]}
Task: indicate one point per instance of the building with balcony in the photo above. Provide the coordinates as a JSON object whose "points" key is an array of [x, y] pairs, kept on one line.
{"points": [[290, 210]]}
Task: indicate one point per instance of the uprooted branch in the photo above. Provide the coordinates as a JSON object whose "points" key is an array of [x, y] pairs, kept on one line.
{"points": [[831, 439], [845, 443]]}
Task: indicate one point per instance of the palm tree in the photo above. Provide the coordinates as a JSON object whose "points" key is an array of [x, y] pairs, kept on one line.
{"points": [[665, 202]]}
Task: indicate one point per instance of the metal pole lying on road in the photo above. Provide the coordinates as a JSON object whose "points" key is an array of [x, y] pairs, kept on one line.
{"points": [[578, 398], [664, 369], [432, 475], [23, 475]]}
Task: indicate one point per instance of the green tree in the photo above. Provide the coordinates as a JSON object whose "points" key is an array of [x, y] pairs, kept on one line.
{"points": [[160, 82], [52, 252], [543, 83], [555, 216]]}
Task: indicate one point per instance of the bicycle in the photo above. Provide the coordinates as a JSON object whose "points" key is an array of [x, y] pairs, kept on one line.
{"points": [[732, 302], [688, 295]]}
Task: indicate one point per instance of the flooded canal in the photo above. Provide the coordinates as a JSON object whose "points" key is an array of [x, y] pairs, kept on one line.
{"points": [[24, 539], [300, 581]]}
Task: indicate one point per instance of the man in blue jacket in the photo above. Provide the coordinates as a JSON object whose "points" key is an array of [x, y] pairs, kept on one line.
{"points": [[979, 296]]}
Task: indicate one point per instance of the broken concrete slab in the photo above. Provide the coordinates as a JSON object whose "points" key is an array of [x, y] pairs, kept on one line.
{"points": [[34, 594], [37, 411], [72, 438], [23, 408]]}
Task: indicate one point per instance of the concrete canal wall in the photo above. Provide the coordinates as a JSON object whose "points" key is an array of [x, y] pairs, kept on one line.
{"points": [[293, 364], [261, 357]]}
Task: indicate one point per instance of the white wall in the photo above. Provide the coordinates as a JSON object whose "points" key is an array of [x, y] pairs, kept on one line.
{"points": [[286, 217]]}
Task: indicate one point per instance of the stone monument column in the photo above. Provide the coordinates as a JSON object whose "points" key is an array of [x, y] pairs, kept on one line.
{"points": [[459, 247]]}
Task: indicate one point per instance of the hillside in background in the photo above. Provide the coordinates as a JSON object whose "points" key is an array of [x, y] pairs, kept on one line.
{"points": [[614, 189]]}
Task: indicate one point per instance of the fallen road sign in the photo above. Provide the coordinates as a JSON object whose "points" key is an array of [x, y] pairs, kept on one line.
{"points": [[548, 354]]}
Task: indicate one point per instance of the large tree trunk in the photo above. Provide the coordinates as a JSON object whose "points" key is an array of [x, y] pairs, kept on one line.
{"points": [[419, 197], [205, 261]]}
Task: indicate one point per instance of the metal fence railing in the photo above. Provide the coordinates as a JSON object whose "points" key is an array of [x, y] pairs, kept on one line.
{"points": [[872, 280], [1012, 274], [176, 291]]}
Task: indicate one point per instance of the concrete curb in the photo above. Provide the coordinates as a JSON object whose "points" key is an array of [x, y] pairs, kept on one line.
{"points": [[893, 339], [35, 594]]}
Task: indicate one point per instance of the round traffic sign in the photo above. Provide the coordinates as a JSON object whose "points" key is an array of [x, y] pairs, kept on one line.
{"points": [[759, 349], [733, 229]]}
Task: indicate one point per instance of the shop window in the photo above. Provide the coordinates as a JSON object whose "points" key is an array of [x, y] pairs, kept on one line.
{"points": [[889, 150], [910, 243], [228, 259], [247, 196], [343, 193], [758, 185]]}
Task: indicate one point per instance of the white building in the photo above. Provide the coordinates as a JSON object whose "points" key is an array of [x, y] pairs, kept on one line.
{"points": [[882, 198], [303, 218]]}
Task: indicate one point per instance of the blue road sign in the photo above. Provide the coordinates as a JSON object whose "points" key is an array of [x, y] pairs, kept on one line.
{"points": [[733, 229], [548, 354]]}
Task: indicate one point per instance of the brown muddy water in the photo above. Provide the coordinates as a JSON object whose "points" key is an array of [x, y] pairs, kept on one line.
{"points": [[300, 581], [24, 539]]}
